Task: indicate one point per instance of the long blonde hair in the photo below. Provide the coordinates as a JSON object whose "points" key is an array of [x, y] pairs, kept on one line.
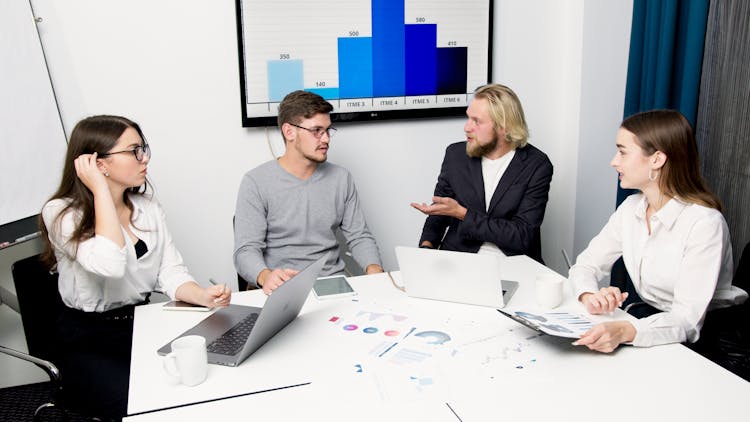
{"points": [[506, 112]]}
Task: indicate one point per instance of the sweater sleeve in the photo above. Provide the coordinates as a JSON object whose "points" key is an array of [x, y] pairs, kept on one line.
{"points": [[250, 228], [354, 228]]}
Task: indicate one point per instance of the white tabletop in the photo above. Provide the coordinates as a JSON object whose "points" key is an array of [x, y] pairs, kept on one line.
{"points": [[461, 361]]}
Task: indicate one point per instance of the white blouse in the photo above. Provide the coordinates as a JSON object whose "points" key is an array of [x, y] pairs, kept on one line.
{"points": [[100, 275], [684, 267]]}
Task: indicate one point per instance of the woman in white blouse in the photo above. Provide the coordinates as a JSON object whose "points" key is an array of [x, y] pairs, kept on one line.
{"points": [[112, 248], [672, 237]]}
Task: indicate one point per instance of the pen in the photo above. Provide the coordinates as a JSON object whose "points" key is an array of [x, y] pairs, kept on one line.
{"points": [[410, 331], [27, 237], [388, 349], [224, 287]]}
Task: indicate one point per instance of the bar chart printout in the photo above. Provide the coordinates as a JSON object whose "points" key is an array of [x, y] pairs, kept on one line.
{"points": [[365, 55]]}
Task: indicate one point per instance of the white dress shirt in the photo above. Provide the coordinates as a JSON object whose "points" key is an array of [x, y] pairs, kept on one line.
{"points": [[100, 275], [683, 268]]}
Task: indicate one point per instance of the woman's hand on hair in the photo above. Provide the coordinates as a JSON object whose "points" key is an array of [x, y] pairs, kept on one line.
{"points": [[88, 171]]}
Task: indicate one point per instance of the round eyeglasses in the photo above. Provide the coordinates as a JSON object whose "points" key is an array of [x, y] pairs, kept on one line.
{"points": [[139, 152], [318, 131]]}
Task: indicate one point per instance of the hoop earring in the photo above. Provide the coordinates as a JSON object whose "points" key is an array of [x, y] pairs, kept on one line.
{"points": [[654, 176]]}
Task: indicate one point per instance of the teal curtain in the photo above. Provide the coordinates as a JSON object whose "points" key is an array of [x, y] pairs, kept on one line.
{"points": [[666, 54]]}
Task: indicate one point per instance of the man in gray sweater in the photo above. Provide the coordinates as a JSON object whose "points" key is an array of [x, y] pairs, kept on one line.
{"points": [[288, 210]]}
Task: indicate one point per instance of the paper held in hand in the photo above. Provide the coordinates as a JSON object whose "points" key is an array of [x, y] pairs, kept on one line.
{"points": [[554, 323]]}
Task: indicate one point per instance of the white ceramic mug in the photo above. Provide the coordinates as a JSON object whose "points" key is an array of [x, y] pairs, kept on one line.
{"points": [[188, 360], [549, 290]]}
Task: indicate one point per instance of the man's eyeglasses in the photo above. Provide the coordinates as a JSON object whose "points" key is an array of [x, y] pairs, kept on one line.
{"points": [[138, 152], [319, 131]]}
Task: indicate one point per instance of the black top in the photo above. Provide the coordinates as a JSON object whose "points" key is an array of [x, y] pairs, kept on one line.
{"points": [[140, 248]]}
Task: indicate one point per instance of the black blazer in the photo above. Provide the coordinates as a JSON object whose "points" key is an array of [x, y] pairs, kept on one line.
{"points": [[516, 209]]}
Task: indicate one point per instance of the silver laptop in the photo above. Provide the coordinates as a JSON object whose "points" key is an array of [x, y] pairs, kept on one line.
{"points": [[454, 276], [234, 333]]}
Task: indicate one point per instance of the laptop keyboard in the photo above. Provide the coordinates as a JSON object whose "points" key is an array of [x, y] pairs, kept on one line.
{"points": [[232, 341]]}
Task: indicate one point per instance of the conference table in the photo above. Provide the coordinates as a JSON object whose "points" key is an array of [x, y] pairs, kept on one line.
{"points": [[382, 354]]}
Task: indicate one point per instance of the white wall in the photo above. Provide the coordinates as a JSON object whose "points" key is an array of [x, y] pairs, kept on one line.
{"points": [[606, 37], [538, 54], [172, 66]]}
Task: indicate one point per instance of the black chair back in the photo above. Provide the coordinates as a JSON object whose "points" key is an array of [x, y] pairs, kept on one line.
{"points": [[742, 272], [40, 305]]}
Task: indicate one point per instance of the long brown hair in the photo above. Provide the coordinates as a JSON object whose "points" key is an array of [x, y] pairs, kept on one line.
{"points": [[669, 131], [93, 134]]}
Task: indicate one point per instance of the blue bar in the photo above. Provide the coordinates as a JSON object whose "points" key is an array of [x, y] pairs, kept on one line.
{"points": [[452, 68], [284, 76], [388, 48], [355, 67], [421, 59], [326, 93]]}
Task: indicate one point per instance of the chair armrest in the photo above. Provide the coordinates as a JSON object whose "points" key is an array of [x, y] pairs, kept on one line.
{"points": [[47, 366], [10, 299]]}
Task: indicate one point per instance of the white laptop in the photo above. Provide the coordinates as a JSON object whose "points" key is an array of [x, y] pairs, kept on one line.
{"points": [[454, 276]]}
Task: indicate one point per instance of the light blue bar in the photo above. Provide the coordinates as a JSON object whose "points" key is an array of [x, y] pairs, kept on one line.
{"points": [[284, 76], [326, 93]]}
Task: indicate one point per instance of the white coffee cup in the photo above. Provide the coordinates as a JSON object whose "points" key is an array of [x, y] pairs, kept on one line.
{"points": [[188, 360], [549, 290]]}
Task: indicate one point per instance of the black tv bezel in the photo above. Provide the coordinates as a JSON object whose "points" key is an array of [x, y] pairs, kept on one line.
{"points": [[360, 116]]}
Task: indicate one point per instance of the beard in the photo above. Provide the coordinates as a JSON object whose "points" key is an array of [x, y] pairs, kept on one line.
{"points": [[476, 150], [311, 156], [315, 159]]}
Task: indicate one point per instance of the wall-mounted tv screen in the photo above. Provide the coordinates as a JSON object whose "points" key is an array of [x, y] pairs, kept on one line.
{"points": [[371, 59]]}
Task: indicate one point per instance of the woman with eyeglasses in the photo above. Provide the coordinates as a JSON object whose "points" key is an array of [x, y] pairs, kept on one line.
{"points": [[109, 240]]}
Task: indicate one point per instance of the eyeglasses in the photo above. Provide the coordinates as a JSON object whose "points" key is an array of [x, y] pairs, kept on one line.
{"points": [[138, 152], [319, 131]]}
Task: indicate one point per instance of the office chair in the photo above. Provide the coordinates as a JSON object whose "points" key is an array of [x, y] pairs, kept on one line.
{"points": [[633, 305], [39, 303], [725, 336], [742, 272]]}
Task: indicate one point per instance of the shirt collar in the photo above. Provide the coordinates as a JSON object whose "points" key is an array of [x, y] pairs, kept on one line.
{"points": [[667, 215], [137, 207]]}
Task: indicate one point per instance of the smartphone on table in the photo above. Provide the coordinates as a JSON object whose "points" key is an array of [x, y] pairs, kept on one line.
{"points": [[178, 305], [332, 287]]}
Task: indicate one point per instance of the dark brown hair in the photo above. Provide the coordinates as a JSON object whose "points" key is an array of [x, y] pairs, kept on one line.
{"points": [[300, 105], [93, 134], [669, 131]]}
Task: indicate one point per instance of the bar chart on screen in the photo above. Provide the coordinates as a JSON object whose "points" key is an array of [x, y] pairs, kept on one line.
{"points": [[364, 55]]}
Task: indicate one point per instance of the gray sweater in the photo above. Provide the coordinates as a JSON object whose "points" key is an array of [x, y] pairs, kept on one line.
{"points": [[284, 222]]}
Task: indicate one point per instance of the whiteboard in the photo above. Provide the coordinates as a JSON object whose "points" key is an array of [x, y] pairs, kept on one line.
{"points": [[32, 138]]}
